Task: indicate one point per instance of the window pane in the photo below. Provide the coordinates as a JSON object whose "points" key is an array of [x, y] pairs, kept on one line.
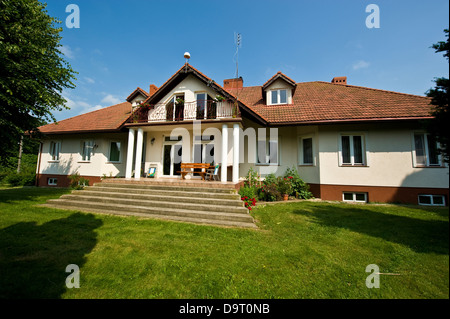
{"points": [[209, 153], [433, 155], [283, 96], [348, 196], [197, 153], [201, 105], [346, 150], [360, 197], [114, 155], [420, 149], [307, 151], [273, 152], [357, 150], [438, 200], [262, 152], [274, 97], [425, 199]]}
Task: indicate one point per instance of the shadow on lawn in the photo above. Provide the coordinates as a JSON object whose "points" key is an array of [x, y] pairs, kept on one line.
{"points": [[424, 236], [33, 258]]}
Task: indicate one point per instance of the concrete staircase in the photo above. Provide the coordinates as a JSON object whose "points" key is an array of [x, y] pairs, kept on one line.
{"points": [[195, 203]]}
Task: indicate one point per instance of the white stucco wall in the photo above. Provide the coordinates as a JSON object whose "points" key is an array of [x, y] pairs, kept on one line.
{"points": [[70, 156], [389, 150]]}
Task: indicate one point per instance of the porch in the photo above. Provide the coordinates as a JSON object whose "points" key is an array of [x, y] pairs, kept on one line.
{"points": [[165, 146]]}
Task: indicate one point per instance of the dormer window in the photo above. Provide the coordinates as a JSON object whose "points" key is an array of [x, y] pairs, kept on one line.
{"points": [[279, 97], [279, 89]]}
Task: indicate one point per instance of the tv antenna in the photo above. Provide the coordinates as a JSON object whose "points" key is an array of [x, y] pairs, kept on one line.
{"points": [[238, 40]]}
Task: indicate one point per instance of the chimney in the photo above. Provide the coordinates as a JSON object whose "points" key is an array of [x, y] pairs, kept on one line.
{"points": [[153, 89], [233, 83], [339, 80]]}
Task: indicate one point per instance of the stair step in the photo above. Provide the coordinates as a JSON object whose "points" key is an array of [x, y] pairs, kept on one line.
{"points": [[196, 199], [162, 192], [174, 203], [180, 188], [150, 211], [213, 222]]}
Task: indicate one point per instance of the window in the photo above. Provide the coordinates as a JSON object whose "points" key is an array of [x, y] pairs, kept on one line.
{"points": [[55, 148], [354, 197], [306, 151], [86, 150], [352, 150], [267, 152], [52, 181], [114, 152], [426, 150], [279, 97], [431, 200]]}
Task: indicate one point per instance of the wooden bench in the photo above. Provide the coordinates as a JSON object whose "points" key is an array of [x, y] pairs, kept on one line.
{"points": [[189, 168]]}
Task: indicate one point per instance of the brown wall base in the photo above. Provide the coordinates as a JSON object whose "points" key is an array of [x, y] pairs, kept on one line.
{"points": [[62, 180], [380, 194]]}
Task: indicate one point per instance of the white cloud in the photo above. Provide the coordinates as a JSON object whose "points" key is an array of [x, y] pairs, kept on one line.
{"points": [[80, 107], [111, 99], [89, 80], [67, 51], [360, 65]]}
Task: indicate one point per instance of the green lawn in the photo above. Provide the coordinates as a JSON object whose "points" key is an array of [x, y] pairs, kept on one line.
{"points": [[302, 250]]}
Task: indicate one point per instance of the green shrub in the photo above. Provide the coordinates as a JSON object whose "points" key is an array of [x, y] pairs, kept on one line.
{"points": [[269, 192], [299, 188], [78, 182], [20, 179], [250, 192]]}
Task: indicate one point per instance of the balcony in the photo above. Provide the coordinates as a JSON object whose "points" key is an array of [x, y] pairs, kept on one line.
{"points": [[176, 112]]}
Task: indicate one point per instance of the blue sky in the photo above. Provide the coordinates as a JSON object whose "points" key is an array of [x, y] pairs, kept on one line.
{"points": [[121, 45]]}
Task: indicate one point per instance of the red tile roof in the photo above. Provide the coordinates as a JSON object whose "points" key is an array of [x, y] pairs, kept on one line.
{"points": [[106, 119], [316, 102], [313, 102]]}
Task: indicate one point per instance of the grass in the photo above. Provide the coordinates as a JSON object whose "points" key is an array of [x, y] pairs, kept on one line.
{"points": [[302, 250]]}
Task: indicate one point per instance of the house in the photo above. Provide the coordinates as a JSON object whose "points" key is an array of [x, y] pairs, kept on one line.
{"points": [[348, 142]]}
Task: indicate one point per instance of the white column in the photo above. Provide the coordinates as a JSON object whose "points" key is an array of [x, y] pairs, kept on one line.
{"points": [[139, 144], [235, 153], [130, 150], [223, 176]]}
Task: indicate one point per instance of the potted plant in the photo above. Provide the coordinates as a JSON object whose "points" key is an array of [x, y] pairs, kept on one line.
{"points": [[284, 187], [220, 98]]}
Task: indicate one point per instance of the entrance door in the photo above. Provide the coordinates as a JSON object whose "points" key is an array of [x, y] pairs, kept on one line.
{"points": [[172, 156]]}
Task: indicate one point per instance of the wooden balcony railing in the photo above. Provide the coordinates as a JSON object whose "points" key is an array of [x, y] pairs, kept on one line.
{"points": [[174, 112]]}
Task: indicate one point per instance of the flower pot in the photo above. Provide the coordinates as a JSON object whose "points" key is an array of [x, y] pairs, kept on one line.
{"points": [[285, 197]]}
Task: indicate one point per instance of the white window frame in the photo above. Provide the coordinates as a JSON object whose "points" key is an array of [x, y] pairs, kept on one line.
{"points": [[52, 181], [278, 95], [427, 151], [50, 151], [354, 200], [120, 152], [431, 200], [90, 145], [204, 141], [365, 161], [300, 150], [267, 162]]}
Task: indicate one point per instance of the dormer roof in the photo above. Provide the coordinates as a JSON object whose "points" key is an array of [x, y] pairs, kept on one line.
{"points": [[136, 93], [277, 76]]}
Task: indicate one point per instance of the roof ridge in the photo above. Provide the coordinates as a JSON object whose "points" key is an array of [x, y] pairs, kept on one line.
{"points": [[368, 88]]}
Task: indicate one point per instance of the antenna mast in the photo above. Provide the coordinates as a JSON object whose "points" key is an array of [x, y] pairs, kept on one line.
{"points": [[238, 45]]}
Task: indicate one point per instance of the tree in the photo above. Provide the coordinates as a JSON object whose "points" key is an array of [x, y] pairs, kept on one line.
{"points": [[33, 71], [439, 99]]}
